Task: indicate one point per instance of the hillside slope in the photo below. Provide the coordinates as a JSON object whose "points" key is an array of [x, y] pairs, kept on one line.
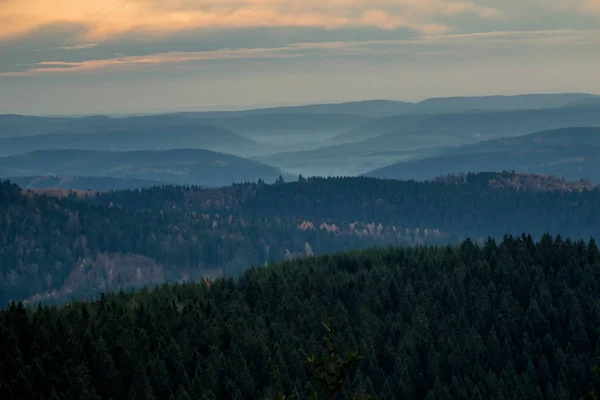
{"points": [[513, 319], [290, 131], [572, 153], [367, 108], [402, 137], [185, 166], [482, 122], [164, 138], [55, 247]]}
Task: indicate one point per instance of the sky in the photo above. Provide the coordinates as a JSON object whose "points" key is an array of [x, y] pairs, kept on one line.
{"points": [[72, 57]]}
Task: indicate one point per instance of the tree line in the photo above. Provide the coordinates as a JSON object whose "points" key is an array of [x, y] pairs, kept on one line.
{"points": [[54, 248]]}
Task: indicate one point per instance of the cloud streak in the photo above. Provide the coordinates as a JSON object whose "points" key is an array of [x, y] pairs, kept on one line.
{"points": [[102, 20], [128, 63], [82, 46], [425, 45]]}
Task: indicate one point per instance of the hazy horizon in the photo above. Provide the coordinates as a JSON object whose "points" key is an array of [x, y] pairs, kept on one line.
{"points": [[267, 105]]}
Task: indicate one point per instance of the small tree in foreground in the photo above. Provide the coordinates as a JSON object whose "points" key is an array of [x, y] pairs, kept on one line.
{"points": [[332, 369], [592, 395]]}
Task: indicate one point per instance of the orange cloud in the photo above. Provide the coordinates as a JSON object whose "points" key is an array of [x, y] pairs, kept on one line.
{"points": [[78, 46], [108, 18], [420, 45], [123, 63], [592, 5]]}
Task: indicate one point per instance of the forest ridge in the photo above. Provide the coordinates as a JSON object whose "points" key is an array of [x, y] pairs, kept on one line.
{"points": [[57, 248]]}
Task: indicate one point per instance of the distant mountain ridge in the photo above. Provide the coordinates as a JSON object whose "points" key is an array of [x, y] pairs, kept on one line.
{"points": [[12, 125], [498, 103], [237, 134], [369, 108], [322, 139], [384, 108], [484, 122], [405, 137]]}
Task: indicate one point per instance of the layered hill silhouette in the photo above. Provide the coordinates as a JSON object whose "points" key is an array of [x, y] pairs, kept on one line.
{"points": [[180, 166], [367, 108], [572, 153], [372, 127], [292, 131], [324, 139], [174, 137], [275, 132], [404, 137], [480, 123], [516, 102], [384, 108]]}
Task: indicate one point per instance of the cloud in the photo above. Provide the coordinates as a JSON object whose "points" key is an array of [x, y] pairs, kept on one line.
{"points": [[124, 63], [541, 37], [106, 19], [593, 5], [577, 6], [425, 45], [82, 46]]}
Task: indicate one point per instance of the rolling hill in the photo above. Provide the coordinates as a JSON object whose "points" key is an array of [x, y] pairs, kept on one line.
{"points": [[24, 125], [293, 131], [572, 153], [367, 108], [21, 125], [480, 124], [402, 137], [385, 108], [174, 137], [516, 102], [185, 166], [275, 132]]}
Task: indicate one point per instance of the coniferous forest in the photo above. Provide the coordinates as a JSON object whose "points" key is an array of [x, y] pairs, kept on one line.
{"points": [[514, 319], [57, 248], [236, 288]]}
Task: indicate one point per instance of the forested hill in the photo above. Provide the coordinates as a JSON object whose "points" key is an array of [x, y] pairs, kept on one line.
{"points": [[513, 320], [56, 248], [519, 180], [478, 207]]}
